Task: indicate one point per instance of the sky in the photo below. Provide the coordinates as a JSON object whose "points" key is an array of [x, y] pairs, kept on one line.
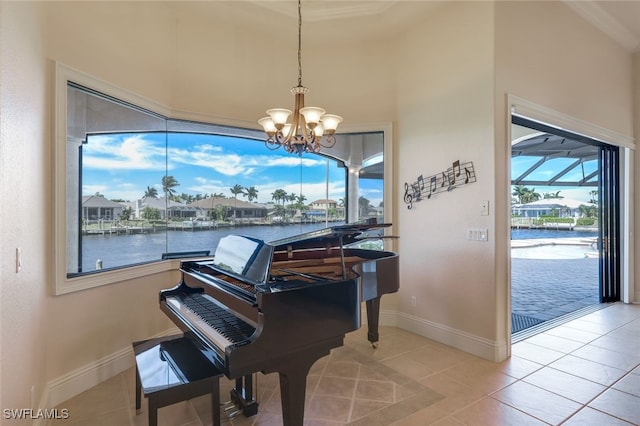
{"points": [[551, 168], [122, 166]]}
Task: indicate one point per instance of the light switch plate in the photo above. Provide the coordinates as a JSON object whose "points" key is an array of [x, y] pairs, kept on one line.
{"points": [[484, 208]]}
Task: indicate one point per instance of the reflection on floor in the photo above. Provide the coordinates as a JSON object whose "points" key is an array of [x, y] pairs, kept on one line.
{"points": [[584, 372]]}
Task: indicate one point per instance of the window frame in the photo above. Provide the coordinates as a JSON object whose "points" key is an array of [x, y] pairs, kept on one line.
{"points": [[62, 284]]}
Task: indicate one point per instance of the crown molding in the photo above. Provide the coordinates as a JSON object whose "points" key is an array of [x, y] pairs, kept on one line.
{"points": [[599, 18], [328, 10]]}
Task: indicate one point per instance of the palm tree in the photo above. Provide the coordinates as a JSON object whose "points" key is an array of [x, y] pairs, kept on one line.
{"points": [[251, 193], [237, 189], [290, 198], [151, 192], [525, 195], [531, 195], [300, 199], [279, 195], [168, 183], [187, 198], [550, 195], [588, 211], [519, 191]]}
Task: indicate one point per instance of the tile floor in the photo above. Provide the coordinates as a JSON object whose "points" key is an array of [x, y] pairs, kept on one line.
{"points": [[583, 372]]}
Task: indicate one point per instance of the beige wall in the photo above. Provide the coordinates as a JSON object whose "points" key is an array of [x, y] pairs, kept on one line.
{"points": [[566, 64], [24, 172], [442, 84], [569, 67], [445, 113]]}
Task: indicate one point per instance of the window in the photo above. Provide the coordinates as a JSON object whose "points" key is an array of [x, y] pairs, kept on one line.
{"points": [[135, 187]]}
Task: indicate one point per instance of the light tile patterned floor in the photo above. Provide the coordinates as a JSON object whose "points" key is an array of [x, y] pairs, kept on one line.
{"points": [[583, 372]]}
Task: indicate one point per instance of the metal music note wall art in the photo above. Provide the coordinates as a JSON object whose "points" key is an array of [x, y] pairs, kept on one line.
{"points": [[457, 175]]}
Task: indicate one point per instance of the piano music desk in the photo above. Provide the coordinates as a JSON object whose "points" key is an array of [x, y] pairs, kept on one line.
{"points": [[170, 370]]}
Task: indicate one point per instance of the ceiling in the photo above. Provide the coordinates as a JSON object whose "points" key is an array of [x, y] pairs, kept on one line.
{"points": [[560, 159], [329, 21]]}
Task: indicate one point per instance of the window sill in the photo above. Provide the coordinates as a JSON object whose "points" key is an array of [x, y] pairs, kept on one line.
{"points": [[66, 285]]}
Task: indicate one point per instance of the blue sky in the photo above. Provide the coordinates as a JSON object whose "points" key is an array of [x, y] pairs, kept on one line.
{"points": [[121, 166], [551, 168]]}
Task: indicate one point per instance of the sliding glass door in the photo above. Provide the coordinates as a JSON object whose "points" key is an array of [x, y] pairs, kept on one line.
{"points": [[609, 223]]}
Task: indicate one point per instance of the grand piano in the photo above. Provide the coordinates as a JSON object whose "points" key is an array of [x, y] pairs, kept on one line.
{"points": [[280, 306]]}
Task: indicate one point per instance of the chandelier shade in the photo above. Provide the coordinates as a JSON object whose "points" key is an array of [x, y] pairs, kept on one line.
{"points": [[310, 128]]}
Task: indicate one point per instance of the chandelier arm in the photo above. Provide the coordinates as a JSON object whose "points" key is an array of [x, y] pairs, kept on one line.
{"points": [[330, 142], [272, 144], [292, 137]]}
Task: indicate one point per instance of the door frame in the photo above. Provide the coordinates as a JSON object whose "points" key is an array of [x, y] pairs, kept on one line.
{"points": [[517, 106]]}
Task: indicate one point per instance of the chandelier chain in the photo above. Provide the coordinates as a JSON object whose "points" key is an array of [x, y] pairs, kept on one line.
{"points": [[299, 43]]}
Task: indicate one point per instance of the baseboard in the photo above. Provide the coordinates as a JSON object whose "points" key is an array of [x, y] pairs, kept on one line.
{"points": [[470, 343], [78, 381], [75, 382], [388, 318]]}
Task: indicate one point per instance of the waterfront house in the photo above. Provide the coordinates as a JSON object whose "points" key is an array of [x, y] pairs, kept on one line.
{"points": [[96, 208], [223, 208], [323, 204], [165, 210], [560, 207]]}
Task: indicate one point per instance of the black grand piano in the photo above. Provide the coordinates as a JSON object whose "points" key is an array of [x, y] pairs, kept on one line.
{"points": [[280, 306]]}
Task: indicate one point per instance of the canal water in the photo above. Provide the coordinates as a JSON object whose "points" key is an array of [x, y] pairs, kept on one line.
{"points": [[128, 249]]}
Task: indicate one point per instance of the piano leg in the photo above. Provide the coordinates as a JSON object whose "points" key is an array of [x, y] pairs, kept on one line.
{"points": [[293, 386], [373, 318], [293, 371]]}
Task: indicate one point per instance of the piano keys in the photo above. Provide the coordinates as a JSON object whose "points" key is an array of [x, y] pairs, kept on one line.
{"points": [[280, 306]]}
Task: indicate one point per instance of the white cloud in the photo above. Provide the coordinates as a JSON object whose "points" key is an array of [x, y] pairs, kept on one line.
{"points": [[133, 153], [94, 189], [208, 186], [110, 152], [233, 164]]}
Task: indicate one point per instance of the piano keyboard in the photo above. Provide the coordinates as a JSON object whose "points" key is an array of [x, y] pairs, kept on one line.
{"points": [[217, 323]]}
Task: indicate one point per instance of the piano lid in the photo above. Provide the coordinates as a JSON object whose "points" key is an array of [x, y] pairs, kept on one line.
{"points": [[249, 259], [333, 236]]}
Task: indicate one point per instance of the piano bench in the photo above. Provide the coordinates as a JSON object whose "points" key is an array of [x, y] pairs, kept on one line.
{"points": [[170, 370]]}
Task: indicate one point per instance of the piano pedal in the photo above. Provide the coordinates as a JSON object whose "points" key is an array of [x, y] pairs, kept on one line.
{"points": [[230, 407], [235, 414]]}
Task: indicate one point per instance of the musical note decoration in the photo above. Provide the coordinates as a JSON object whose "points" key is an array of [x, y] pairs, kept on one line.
{"points": [[457, 175]]}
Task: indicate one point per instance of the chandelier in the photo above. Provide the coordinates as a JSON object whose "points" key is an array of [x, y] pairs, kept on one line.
{"points": [[310, 129]]}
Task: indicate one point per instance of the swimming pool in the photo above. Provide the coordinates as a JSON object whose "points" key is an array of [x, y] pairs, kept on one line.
{"points": [[527, 234], [554, 251]]}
